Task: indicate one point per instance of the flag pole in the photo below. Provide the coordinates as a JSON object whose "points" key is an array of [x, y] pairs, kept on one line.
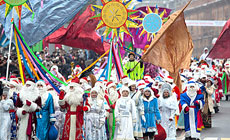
{"points": [[11, 34]]}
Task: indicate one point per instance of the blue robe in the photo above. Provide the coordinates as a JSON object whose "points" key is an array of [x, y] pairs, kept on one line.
{"points": [[191, 119], [13, 119], [44, 117], [151, 112]]}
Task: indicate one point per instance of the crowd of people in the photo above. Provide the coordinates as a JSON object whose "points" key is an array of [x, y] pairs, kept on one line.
{"points": [[136, 107]]}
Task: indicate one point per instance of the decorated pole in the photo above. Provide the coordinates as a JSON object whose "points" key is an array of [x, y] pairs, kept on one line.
{"points": [[11, 34]]}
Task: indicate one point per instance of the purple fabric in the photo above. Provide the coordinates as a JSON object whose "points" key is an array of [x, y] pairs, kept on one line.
{"points": [[140, 42], [151, 70]]}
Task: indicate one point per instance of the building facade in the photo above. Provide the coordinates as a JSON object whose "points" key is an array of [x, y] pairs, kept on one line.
{"points": [[206, 10]]}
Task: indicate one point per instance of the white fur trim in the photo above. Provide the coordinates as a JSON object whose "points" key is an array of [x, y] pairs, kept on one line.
{"points": [[19, 113], [33, 107], [53, 120], [184, 106], [61, 102], [72, 131], [201, 104]]}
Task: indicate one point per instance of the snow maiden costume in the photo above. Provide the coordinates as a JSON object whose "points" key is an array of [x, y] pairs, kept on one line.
{"points": [[137, 98], [95, 118], [152, 114], [192, 103], [168, 107], [5, 121], [45, 118], [125, 116]]}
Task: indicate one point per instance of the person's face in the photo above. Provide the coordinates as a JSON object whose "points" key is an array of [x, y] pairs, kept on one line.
{"points": [[142, 89], [71, 88], [209, 83], [40, 86], [11, 86], [206, 51], [4, 96], [133, 87], [131, 57], [147, 93], [203, 80], [93, 94], [160, 86], [156, 84], [125, 93], [28, 85], [166, 94]]}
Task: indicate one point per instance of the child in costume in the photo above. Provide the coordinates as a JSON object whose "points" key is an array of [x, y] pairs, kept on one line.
{"points": [[152, 114], [125, 116], [168, 107]]}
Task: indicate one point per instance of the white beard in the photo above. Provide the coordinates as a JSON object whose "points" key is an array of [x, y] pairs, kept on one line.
{"points": [[191, 93], [44, 96], [73, 98], [29, 94], [113, 95]]}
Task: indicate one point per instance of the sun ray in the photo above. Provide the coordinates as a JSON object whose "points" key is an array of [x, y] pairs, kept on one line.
{"points": [[8, 9], [156, 10], [149, 10], [96, 7], [100, 25]]}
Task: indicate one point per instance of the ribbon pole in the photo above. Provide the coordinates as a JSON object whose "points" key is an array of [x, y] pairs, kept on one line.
{"points": [[11, 35]]}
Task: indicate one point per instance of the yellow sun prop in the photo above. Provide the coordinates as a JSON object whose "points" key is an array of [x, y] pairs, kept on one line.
{"points": [[152, 22], [115, 16], [17, 5]]}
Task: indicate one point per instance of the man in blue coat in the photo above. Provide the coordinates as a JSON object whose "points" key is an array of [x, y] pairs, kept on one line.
{"points": [[192, 102]]}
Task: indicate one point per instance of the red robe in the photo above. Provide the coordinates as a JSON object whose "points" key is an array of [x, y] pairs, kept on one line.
{"points": [[30, 130], [73, 121]]}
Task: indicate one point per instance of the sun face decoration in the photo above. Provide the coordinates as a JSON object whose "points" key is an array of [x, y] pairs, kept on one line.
{"points": [[152, 22], [17, 5], [115, 16]]}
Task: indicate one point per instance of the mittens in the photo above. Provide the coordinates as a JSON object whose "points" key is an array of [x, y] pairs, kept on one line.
{"points": [[61, 95], [28, 103], [186, 110]]}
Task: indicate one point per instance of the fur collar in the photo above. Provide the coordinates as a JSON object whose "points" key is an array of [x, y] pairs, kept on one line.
{"points": [[148, 100]]}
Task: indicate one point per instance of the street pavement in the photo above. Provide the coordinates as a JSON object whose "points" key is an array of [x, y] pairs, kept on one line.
{"points": [[220, 125]]}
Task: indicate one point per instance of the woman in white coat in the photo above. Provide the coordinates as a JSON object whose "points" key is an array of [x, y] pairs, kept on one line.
{"points": [[168, 107], [95, 117], [125, 116], [5, 121]]}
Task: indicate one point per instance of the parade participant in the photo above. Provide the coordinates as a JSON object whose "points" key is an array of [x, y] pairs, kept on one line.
{"points": [[13, 94], [218, 92], [133, 69], [95, 117], [175, 89], [5, 121], [46, 116], [168, 107], [111, 98], [84, 80], [73, 102], [137, 98], [208, 101], [192, 103], [152, 114], [125, 80], [54, 71], [204, 55], [125, 115], [28, 103]]}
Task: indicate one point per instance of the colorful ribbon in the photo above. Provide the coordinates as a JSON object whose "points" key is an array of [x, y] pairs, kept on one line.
{"points": [[89, 66], [34, 56], [19, 59]]}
